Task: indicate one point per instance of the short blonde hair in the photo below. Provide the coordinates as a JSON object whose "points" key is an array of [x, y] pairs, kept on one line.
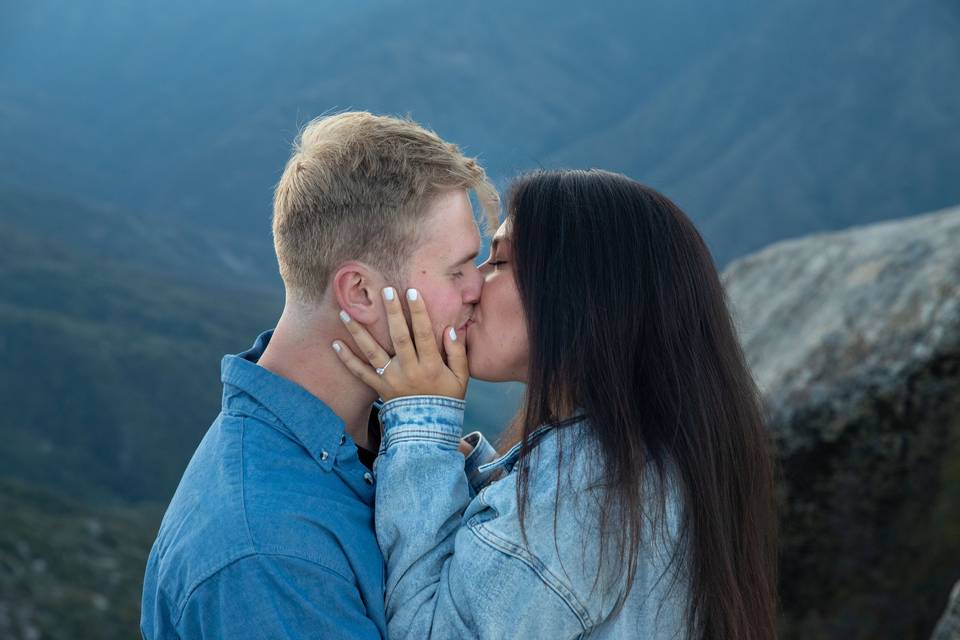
{"points": [[354, 189]]}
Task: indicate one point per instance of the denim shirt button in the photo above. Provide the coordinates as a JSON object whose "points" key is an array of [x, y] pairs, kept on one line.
{"points": [[343, 438], [368, 477], [324, 455]]}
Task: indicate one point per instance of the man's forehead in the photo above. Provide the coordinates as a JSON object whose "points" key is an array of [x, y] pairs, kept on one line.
{"points": [[450, 233], [448, 246]]}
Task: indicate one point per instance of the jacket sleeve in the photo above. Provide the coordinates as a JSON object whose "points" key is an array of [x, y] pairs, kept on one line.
{"points": [[444, 578]]}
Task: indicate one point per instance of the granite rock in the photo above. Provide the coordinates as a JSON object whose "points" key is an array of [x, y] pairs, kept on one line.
{"points": [[949, 626], [854, 340]]}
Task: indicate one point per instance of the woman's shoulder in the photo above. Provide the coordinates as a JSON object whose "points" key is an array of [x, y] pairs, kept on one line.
{"points": [[566, 485], [568, 463]]}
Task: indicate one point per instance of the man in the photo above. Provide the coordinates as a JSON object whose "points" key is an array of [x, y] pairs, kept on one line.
{"points": [[270, 533]]}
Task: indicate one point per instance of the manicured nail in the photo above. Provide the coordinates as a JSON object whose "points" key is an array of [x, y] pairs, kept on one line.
{"points": [[453, 334], [344, 316], [388, 294], [336, 347], [412, 294]]}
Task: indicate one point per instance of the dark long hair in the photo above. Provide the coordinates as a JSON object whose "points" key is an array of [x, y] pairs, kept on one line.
{"points": [[627, 321]]}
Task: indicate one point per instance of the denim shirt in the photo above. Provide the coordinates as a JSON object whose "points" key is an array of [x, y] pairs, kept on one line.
{"points": [[457, 566], [270, 533]]}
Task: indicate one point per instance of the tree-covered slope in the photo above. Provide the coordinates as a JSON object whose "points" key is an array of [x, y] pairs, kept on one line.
{"points": [[67, 571], [111, 369]]}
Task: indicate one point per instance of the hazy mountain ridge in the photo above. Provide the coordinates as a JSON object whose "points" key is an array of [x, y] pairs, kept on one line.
{"points": [[842, 119], [112, 332], [169, 248], [763, 120], [108, 364]]}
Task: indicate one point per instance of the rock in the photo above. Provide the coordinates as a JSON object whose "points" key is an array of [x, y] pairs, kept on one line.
{"points": [[854, 340], [949, 626]]}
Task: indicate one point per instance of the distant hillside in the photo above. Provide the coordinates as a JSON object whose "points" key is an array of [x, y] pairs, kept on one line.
{"points": [[764, 120], [817, 116], [111, 366], [70, 572], [171, 248], [112, 328]]}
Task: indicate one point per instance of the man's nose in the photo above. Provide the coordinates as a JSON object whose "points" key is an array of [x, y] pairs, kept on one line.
{"points": [[471, 293]]}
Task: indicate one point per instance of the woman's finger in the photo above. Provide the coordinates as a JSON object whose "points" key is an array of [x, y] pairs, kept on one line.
{"points": [[422, 329], [399, 332], [456, 356], [362, 371], [369, 348]]}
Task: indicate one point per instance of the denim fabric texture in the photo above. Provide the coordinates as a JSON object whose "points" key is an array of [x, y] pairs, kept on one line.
{"points": [[270, 532], [483, 453], [457, 565]]}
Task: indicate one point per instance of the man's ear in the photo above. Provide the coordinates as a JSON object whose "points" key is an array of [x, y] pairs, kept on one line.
{"points": [[357, 290]]}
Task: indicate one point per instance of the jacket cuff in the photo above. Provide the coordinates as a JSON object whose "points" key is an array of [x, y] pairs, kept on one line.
{"points": [[436, 419], [483, 453]]}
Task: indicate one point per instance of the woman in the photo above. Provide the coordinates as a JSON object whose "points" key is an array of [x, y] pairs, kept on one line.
{"points": [[637, 499]]}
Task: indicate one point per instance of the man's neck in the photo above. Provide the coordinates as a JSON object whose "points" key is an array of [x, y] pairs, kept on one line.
{"points": [[302, 354]]}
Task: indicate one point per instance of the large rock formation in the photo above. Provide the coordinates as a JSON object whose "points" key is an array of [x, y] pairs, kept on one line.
{"points": [[949, 626], [854, 340]]}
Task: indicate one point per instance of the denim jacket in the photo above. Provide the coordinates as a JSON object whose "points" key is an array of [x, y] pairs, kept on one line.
{"points": [[456, 564]]}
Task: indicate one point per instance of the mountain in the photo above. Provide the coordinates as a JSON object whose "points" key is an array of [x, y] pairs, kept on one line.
{"points": [[854, 339], [93, 339], [70, 571], [818, 116], [112, 327], [115, 238], [763, 120]]}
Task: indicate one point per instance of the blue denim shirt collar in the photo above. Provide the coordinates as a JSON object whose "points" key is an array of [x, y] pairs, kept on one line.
{"points": [[294, 409]]}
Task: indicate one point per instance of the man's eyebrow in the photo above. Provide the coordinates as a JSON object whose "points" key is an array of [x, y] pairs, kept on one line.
{"points": [[466, 259]]}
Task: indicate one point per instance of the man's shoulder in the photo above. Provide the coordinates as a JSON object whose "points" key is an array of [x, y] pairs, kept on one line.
{"points": [[256, 578], [249, 491]]}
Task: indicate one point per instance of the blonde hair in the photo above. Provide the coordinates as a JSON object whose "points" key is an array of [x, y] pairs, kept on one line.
{"points": [[354, 189]]}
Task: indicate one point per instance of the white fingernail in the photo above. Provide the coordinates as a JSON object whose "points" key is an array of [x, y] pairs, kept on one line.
{"points": [[336, 347], [388, 294], [453, 334], [345, 316], [412, 294]]}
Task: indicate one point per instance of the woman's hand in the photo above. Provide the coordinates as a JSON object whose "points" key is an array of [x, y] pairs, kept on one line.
{"points": [[417, 368]]}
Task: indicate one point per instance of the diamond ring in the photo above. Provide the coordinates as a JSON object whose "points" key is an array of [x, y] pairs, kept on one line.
{"points": [[380, 370]]}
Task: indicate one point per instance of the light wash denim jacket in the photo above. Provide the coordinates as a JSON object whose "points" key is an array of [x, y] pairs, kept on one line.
{"points": [[455, 560]]}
